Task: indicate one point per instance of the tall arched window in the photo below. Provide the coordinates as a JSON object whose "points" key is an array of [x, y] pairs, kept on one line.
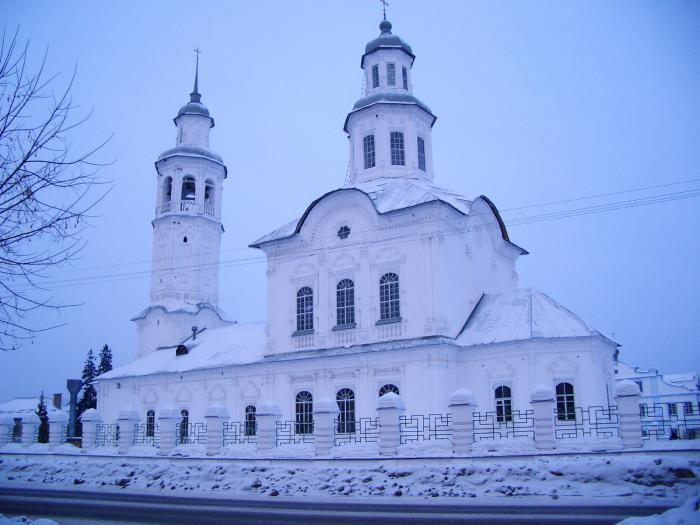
{"points": [[167, 189], [346, 410], [397, 149], [184, 426], [150, 423], [388, 388], [250, 424], [345, 303], [304, 422], [504, 411], [188, 188], [305, 309], [389, 297], [566, 408]]}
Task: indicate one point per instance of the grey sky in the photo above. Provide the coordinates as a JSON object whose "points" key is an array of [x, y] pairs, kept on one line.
{"points": [[536, 102]]}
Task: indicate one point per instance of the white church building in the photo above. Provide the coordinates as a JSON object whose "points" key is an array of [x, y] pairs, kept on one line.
{"points": [[388, 283]]}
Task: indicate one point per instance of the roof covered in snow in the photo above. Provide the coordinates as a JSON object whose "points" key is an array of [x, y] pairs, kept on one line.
{"points": [[228, 345], [388, 98], [25, 405], [389, 194], [387, 40], [185, 150], [521, 315]]}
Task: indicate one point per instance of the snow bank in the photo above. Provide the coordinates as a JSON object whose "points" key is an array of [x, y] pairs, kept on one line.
{"points": [[24, 519], [686, 514]]}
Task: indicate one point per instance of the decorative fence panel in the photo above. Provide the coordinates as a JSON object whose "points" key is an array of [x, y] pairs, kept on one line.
{"points": [[191, 434], [594, 421], [364, 430], [287, 435], [145, 434], [239, 432], [658, 422], [419, 427], [106, 435], [508, 425]]}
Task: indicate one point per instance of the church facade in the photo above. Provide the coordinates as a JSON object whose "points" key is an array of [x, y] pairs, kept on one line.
{"points": [[386, 284]]}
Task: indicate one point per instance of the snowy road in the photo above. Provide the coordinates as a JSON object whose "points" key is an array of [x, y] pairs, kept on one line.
{"points": [[66, 506]]}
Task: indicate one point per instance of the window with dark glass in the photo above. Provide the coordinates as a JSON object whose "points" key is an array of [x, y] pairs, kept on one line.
{"points": [[385, 389], [346, 411], [188, 189], [304, 421], [184, 426], [343, 232], [375, 76], [345, 302], [566, 409], [404, 74], [305, 309], [389, 305], [642, 410], [421, 153], [167, 189], [672, 409], [391, 74], [504, 411], [150, 423], [688, 408], [368, 150], [397, 149], [250, 424]]}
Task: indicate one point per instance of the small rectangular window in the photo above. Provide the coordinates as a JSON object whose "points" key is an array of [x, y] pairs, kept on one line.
{"points": [[391, 74], [672, 409], [397, 149], [404, 72], [375, 76], [688, 408], [421, 153], [368, 147]]}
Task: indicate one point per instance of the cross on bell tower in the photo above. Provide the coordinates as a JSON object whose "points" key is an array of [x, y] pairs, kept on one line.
{"points": [[384, 4]]}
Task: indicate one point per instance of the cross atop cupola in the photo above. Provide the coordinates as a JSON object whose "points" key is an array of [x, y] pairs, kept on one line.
{"points": [[193, 120]]}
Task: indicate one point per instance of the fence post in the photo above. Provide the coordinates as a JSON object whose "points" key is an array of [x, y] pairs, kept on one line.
{"points": [[462, 406], [168, 419], [267, 416], [542, 399], [127, 421], [56, 435], [7, 423], [325, 414], [389, 409], [30, 422], [215, 416], [627, 400], [90, 419]]}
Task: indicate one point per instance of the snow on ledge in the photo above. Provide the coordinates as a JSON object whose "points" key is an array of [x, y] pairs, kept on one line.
{"points": [[626, 388], [542, 393]]}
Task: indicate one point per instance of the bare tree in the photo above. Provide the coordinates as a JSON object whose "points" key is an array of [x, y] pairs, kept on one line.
{"points": [[46, 189]]}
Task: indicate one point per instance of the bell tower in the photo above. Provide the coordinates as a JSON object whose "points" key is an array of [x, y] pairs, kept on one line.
{"points": [[187, 232]]}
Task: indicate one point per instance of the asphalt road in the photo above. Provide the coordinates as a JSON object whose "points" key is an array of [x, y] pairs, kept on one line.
{"points": [[80, 506]]}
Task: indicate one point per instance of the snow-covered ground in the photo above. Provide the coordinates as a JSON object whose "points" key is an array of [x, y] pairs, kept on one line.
{"points": [[669, 477], [24, 520], [686, 514]]}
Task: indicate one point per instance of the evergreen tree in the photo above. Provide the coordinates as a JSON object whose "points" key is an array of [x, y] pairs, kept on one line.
{"points": [[43, 414], [105, 360], [89, 399]]}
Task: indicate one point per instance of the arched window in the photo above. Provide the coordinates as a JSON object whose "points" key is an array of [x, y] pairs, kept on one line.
{"points": [[167, 189], [304, 422], [150, 423], [346, 407], [566, 408], [209, 192], [345, 303], [305, 309], [250, 424], [388, 388], [188, 189], [504, 411], [389, 297], [184, 426]]}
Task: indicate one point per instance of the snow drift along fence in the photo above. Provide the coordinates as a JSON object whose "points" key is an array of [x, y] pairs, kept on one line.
{"points": [[364, 430], [420, 427], [658, 422], [506, 425], [594, 422]]}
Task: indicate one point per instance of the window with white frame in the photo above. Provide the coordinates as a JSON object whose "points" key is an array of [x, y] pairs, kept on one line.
{"points": [[304, 413], [398, 157], [345, 303], [389, 303], [421, 153], [672, 409], [184, 425], [375, 76], [150, 423], [385, 389], [305, 309], [391, 74], [566, 408], [369, 151], [404, 74], [688, 408], [346, 410], [504, 412], [250, 423]]}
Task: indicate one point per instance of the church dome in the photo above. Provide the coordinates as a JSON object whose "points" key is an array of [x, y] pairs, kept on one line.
{"points": [[193, 108], [387, 40]]}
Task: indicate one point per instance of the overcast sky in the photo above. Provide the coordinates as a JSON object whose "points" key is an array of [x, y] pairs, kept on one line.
{"points": [[536, 102]]}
